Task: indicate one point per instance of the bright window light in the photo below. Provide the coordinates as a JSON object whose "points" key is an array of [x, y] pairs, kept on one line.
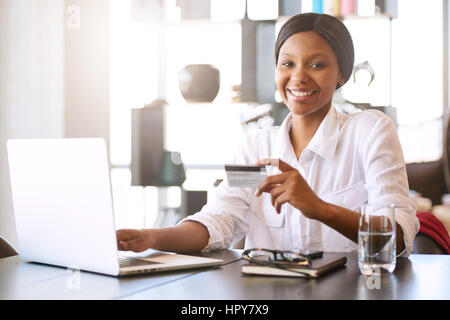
{"points": [[407, 58], [262, 9], [133, 75], [375, 49], [229, 10], [204, 134], [417, 78]]}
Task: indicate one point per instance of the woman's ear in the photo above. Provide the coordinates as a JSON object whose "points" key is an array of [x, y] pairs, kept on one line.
{"points": [[341, 80]]}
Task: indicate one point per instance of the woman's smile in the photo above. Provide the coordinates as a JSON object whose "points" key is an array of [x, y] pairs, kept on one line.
{"points": [[300, 94]]}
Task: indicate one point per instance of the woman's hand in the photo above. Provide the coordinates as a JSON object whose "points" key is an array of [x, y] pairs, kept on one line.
{"points": [[289, 186], [189, 236], [134, 240]]}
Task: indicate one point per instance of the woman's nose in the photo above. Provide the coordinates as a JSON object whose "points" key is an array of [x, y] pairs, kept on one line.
{"points": [[300, 74]]}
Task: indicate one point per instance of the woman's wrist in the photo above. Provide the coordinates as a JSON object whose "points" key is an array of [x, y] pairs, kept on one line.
{"points": [[152, 238], [189, 236], [324, 212], [343, 220]]}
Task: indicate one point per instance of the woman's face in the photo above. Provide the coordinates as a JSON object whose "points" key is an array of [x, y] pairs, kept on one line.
{"points": [[307, 73]]}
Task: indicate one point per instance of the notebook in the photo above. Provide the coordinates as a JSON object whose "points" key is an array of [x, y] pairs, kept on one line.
{"points": [[320, 266], [63, 209]]}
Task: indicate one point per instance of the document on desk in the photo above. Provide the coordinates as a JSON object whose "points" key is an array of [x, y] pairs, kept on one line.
{"points": [[245, 175]]}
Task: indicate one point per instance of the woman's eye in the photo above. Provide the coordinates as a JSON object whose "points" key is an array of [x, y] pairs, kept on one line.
{"points": [[286, 63], [317, 66]]}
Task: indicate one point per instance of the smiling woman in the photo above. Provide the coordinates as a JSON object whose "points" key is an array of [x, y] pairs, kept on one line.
{"points": [[324, 166]]}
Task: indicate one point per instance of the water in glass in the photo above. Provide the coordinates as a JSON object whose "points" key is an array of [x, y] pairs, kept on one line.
{"points": [[377, 240]]}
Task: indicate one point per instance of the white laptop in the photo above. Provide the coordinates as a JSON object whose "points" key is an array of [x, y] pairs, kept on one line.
{"points": [[63, 208]]}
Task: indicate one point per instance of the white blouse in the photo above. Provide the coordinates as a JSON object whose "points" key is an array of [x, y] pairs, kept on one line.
{"points": [[351, 160]]}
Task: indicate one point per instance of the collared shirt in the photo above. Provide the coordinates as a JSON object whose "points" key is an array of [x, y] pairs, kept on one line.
{"points": [[351, 160]]}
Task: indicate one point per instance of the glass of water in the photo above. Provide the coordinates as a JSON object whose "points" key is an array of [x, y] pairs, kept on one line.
{"points": [[377, 239]]}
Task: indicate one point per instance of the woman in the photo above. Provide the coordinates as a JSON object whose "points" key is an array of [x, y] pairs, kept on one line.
{"points": [[324, 164]]}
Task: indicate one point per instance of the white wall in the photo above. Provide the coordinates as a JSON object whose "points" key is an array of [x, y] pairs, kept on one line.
{"points": [[31, 82]]}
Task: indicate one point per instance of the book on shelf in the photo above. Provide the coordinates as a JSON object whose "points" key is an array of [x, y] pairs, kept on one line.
{"points": [[320, 266]]}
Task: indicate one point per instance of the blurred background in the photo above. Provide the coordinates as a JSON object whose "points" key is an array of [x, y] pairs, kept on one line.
{"points": [[173, 86]]}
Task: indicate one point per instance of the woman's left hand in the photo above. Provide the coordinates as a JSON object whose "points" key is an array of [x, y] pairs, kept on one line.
{"points": [[290, 186]]}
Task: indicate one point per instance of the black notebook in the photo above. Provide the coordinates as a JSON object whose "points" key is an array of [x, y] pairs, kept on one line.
{"points": [[320, 266]]}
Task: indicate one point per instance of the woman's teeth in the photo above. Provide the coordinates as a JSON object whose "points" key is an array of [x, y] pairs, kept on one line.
{"points": [[301, 93]]}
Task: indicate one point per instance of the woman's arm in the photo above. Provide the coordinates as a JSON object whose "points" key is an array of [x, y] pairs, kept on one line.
{"points": [[291, 187], [346, 222], [189, 236]]}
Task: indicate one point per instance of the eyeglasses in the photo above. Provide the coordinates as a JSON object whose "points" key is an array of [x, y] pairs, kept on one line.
{"points": [[275, 258]]}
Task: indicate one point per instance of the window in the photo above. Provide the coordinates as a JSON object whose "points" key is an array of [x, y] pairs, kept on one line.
{"points": [[133, 83], [134, 74], [407, 56], [417, 77]]}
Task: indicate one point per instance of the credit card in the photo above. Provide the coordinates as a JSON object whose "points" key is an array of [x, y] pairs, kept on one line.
{"points": [[245, 175]]}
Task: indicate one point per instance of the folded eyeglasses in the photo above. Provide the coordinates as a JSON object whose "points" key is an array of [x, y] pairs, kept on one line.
{"points": [[275, 258]]}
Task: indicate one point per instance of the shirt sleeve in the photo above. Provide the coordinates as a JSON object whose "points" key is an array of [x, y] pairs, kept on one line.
{"points": [[386, 178], [226, 215]]}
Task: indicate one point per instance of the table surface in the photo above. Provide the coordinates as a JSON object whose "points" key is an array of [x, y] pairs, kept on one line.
{"points": [[418, 277]]}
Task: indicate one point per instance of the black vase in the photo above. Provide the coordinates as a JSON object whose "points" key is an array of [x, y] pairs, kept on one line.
{"points": [[199, 82]]}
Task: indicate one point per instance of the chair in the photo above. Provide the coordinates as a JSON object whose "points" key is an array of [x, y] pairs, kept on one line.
{"points": [[6, 250], [432, 178], [424, 244], [428, 179], [433, 237]]}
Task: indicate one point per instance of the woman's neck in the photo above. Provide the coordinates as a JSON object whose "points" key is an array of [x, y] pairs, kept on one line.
{"points": [[303, 129]]}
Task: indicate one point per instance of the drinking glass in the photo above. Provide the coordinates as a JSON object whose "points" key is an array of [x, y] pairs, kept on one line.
{"points": [[377, 239]]}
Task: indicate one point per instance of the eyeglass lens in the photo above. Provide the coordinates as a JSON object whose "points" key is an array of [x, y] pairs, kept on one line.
{"points": [[261, 255], [264, 255]]}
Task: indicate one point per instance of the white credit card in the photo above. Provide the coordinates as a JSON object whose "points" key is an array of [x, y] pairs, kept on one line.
{"points": [[245, 175]]}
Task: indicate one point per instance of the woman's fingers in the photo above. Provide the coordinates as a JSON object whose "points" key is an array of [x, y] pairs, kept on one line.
{"points": [[267, 162], [278, 197], [123, 246], [280, 164], [129, 240], [295, 190], [136, 245], [281, 199], [126, 234], [268, 183], [275, 193]]}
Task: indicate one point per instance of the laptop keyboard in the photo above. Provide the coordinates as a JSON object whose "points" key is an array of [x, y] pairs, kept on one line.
{"points": [[133, 262]]}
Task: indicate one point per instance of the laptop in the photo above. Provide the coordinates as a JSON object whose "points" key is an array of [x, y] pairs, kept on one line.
{"points": [[63, 210]]}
